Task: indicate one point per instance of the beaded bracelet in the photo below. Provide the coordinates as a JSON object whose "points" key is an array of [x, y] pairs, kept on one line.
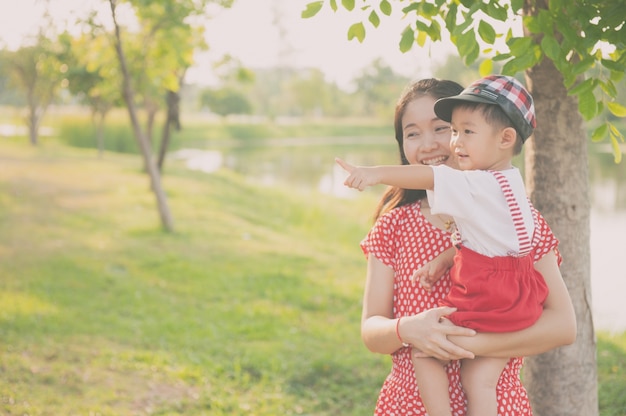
{"points": [[404, 344]]}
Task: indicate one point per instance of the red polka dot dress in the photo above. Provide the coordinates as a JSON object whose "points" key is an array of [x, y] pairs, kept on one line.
{"points": [[404, 240]]}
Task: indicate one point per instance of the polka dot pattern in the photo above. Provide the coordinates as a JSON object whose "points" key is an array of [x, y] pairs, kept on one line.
{"points": [[392, 240]]}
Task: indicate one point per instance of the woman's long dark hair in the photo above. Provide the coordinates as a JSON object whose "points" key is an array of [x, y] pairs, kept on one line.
{"points": [[432, 87]]}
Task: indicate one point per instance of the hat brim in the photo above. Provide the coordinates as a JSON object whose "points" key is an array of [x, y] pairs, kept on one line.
{"points": [[444, 106]]}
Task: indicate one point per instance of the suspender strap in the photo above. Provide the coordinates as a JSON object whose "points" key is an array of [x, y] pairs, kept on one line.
{"points": [[525, 243]]}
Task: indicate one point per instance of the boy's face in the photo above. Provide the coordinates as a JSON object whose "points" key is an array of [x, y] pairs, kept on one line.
{"points": [[476, 144]]}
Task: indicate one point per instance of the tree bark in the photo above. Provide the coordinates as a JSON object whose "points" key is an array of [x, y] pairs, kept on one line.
{"points": [[562, 382], [144, 144], [172, 119]]}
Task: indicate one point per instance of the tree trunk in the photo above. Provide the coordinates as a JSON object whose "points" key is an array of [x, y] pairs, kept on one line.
{"points": [[172, 119], [98, 121], [562, 382], [33, 121], [144, 144]]}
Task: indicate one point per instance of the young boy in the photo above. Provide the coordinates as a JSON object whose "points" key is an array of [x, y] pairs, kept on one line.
{"points": [[495, 286]]}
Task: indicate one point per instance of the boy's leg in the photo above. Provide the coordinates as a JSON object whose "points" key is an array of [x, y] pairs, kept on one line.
{"points": [[432, 381], [479, 378]]}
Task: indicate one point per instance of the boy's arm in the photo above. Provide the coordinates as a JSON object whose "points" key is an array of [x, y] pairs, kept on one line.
{"points": [[431, 272], [401, 176]]}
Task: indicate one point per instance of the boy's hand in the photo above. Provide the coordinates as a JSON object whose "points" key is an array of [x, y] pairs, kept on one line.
{"points": [[360, 177], [430, 273], [424, 275]]}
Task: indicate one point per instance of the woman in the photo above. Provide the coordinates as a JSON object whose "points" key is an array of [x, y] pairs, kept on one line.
{"points": [[398, 314]]}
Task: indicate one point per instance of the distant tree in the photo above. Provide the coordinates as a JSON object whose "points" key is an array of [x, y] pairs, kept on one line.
{"points": [[378, 85], [37, 72], [144, 144], [225, 101], [9, 94], [91, 78]]}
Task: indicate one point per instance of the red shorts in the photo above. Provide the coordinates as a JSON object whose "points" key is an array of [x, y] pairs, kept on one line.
{"points": [[495, 294]]}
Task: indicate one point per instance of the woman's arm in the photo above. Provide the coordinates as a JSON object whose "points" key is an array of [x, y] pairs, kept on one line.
{"points": [[422, 331], [556, 326]]}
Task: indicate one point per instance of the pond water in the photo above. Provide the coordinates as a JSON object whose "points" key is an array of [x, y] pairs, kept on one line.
{"points": [[309, 164]]}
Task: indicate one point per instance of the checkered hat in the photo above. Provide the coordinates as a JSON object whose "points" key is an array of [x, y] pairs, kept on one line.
{"points": [[507, 92]]}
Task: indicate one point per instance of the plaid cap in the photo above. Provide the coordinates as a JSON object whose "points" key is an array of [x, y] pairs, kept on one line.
{"points": [[504, 91]]}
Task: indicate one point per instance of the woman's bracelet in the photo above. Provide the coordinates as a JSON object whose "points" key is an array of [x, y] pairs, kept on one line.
{"points": [[404, 344]]}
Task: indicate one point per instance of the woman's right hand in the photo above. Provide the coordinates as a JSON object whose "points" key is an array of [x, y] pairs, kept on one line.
{"points": [[428, 332]]}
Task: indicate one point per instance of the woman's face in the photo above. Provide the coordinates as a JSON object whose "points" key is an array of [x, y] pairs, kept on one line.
{"points": [[426, 138]]}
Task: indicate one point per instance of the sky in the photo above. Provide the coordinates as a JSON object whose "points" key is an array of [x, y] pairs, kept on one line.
{"points": [[260, 34]]}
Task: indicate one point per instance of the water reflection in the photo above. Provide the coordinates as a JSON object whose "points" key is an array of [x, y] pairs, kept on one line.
{"points": [[309, 165], [207, 161]]}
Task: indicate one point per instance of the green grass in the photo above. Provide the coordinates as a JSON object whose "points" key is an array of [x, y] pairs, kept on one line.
{"points": [[251, 307], [612, 374]]}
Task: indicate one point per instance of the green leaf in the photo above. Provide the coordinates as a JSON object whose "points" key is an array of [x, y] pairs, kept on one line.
{"points": [[374, 19], [385, 7], [485, 68], [421, 26], [460, 29], [616, 76], [545, 21], [531, 23], [407, 40], [600, 109], [522, 61], [434, 30], [516, 5], [357, 31], [587, 105], [312, 9], [428, 10], [519, 46], [421, 38], [451, 17], [616, 109], [617, 150], [555, 6], [612, 65], [486, 32], [333, 5], [586, 86], [600, 132], [551, 47], [348, 5], [501, 57], [411, 7], [568, 78], [495, 10], [468, 47], [616, 137], [583, 65], [609, 88], [615, 132]]}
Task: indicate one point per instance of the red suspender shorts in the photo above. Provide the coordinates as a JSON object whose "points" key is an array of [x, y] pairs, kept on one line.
{"points": [[497, 294]]}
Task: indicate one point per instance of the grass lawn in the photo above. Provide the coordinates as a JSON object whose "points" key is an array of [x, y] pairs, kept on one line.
{"points": [[251, 307]]}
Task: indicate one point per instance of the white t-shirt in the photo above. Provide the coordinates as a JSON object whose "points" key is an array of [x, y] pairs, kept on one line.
{"points": [[475, 200]]}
